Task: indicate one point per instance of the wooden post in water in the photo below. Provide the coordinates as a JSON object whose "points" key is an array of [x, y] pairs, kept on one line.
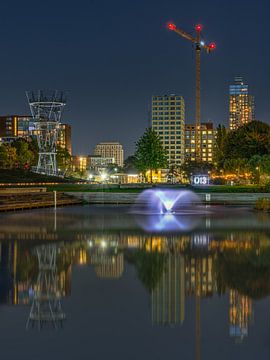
{"points": [[55, 200]]}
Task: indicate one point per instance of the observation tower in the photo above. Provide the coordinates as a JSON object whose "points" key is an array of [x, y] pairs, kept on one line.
{"points": [[46, 108]]}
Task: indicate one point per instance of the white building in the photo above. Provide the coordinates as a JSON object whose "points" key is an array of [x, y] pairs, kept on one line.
{"points": [[110, 150], [168, 120]]}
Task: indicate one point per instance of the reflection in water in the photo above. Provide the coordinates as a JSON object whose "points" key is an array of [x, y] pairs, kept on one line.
{"points": [[107, 261], [46, 306], [168, 296], [171, 267], [240, 315], [167, 222], [36, 265]]}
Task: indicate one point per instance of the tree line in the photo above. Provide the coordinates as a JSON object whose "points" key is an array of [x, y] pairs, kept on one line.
{"points": [[244, 150], [23, 154]]}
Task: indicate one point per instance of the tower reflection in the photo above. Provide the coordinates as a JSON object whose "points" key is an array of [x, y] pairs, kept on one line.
{"points": [[46, 305]]}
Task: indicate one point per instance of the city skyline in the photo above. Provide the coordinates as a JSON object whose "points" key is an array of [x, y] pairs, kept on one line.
{"points": [[129, 68]]}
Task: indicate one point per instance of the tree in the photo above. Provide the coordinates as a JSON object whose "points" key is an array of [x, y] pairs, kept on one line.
{"points": [[63, 158], [3, 156], [260, 166], [150, 154], [195, 167], [248, 140], [130, 164], [11, 156], [24, 154], [238, 165], [218, 153]]}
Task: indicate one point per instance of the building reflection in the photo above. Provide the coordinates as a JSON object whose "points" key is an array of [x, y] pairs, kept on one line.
{"points": [[240, 315], [168, 297], [8, 272], [173, 268]]}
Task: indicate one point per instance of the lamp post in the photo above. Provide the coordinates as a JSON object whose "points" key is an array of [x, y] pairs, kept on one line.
{"points": [[258, 174]]}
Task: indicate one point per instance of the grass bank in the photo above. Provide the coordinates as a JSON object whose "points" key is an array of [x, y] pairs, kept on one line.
{"points": [[15, 176], [127, 189], [18, 178]]}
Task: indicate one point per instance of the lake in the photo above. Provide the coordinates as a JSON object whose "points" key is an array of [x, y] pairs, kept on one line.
{"points": [[100, 282]]}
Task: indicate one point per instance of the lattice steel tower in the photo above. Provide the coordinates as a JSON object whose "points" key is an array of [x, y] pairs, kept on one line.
{"points": [[46, 108]]}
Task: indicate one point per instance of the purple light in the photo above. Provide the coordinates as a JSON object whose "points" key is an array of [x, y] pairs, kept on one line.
{"points": [[161, 201], [167, 210], [167, 222]]}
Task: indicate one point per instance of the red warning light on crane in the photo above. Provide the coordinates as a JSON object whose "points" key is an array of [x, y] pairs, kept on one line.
{"points": [[212, 46], [171, 26], [198, 27]]}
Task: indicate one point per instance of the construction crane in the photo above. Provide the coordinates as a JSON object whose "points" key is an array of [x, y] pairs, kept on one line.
{"points": [[199, 44]]}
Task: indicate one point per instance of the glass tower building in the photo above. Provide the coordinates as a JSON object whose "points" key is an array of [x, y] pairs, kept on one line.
{"points": [[241, 104]]}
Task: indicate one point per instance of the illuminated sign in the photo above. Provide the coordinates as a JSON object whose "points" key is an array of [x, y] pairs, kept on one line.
{"points": [[200, 180]]}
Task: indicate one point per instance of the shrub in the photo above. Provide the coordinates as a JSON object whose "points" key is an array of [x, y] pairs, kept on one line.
{"points": [[263, 204]]}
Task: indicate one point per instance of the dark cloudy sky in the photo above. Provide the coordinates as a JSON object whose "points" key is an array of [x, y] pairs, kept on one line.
{"points": [[111, 56]]}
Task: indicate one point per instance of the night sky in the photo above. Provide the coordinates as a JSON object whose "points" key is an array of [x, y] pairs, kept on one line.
{"points": [[111, 56]]}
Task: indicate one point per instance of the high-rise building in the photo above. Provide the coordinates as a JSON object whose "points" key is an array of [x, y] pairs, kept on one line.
{"points": [[168, 120], [206, 142], [111, 150], [241, 104], [64, 137]]}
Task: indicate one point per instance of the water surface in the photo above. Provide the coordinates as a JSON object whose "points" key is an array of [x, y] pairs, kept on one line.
{"points": [[98, 282]]}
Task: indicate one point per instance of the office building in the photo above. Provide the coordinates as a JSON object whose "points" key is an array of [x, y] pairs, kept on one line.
{"points": [[64, 137], [111, 150], [168, 120], [206, 142], [13, 126], [80, 163], [241, 104], [97, 161]]}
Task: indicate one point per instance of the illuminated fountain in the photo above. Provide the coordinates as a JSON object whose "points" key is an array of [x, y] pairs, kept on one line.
{"points": [[168, 210], [159, 201]]}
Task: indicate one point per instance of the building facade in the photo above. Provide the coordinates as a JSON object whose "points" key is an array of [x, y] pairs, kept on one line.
{"points": [[64, 137], [80, 163], [242, 109], [206, 142], [97, 161], [168, 120], [111, 150], [15, 126], [23, 126]]}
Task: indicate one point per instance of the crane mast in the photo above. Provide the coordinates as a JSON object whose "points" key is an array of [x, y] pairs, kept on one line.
{"points": [[199, 44]]}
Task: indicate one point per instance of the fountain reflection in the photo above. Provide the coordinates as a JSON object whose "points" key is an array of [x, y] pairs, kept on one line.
{"points": [[167, 222]]}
